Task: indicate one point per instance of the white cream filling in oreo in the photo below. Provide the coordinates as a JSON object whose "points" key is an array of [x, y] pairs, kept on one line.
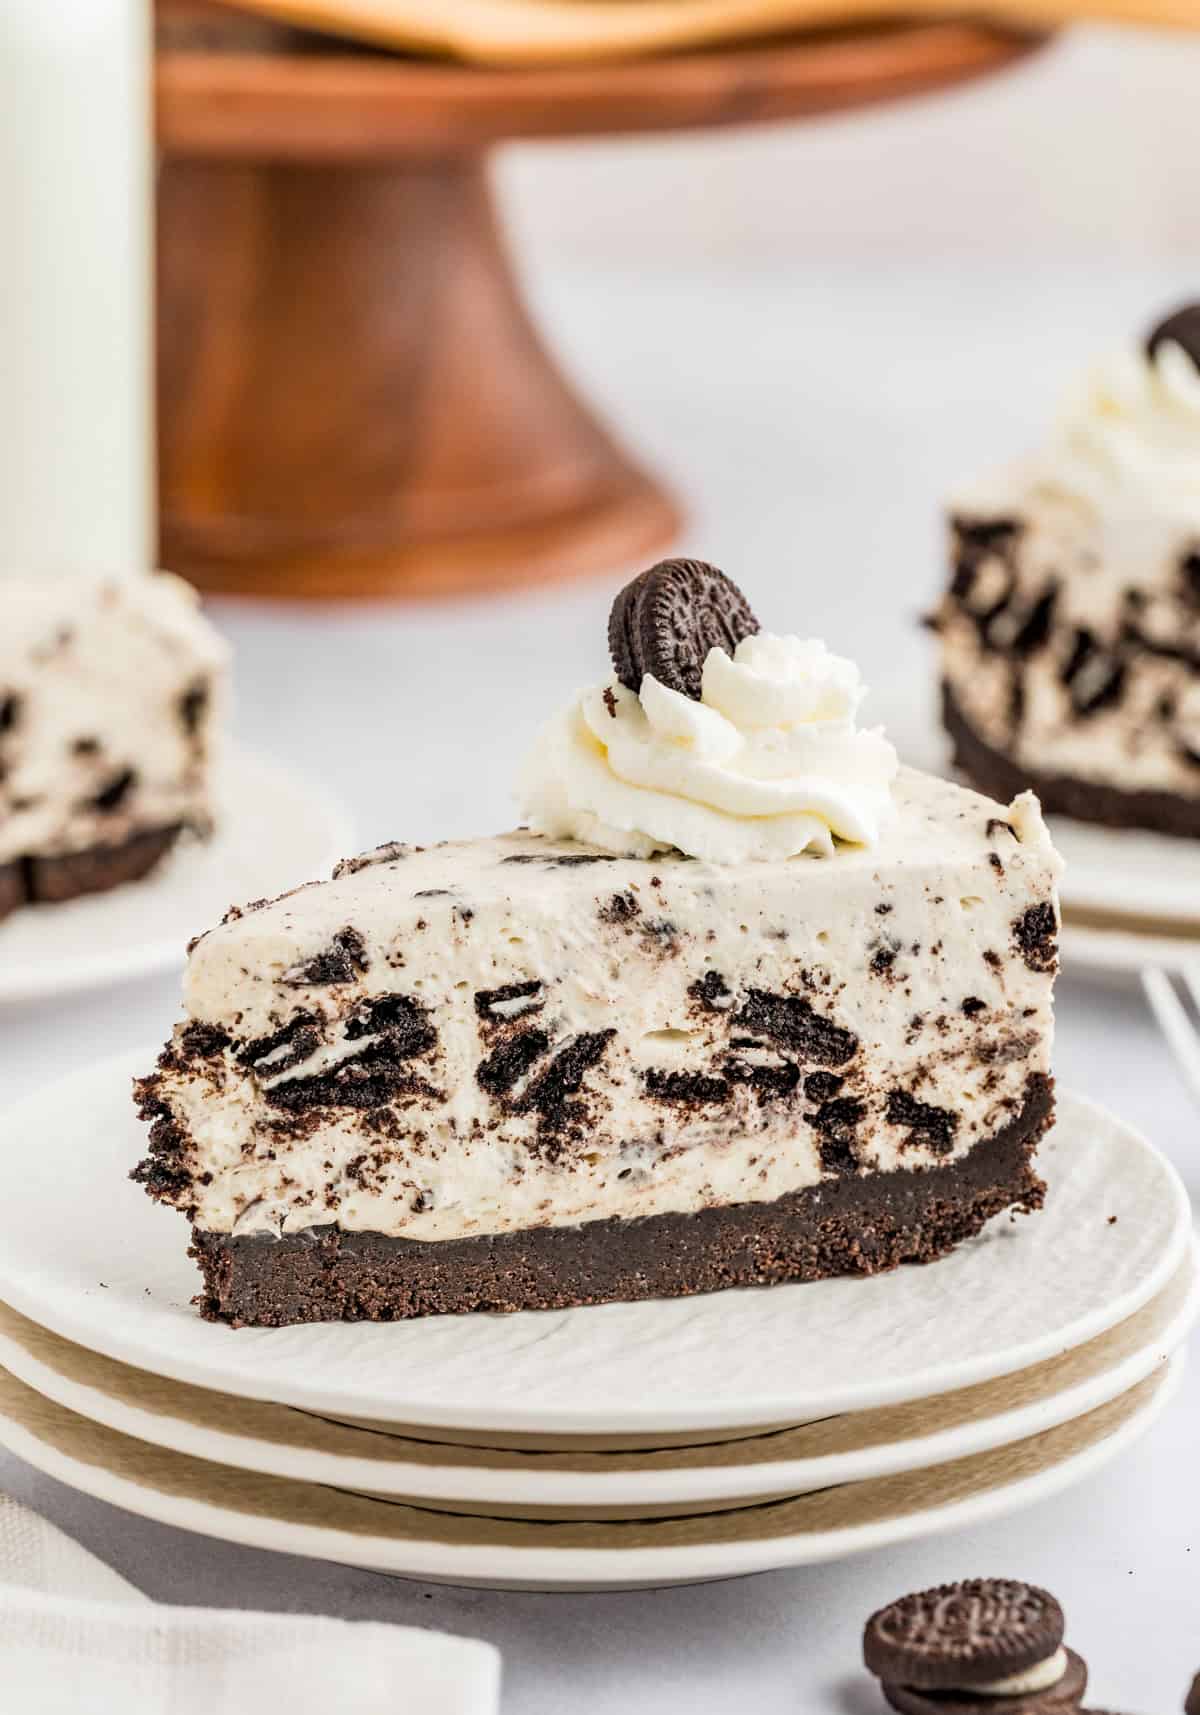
{"points": [[1040, 1677]]}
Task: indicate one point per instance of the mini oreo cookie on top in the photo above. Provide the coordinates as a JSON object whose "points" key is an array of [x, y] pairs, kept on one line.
{"points": [[983, 1644], [665, 622], [1182, 328]]}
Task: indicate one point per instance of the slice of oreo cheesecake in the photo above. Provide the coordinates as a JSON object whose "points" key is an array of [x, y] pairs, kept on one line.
{"points": [[1070, 631], [744, 1003], [109, 694]]}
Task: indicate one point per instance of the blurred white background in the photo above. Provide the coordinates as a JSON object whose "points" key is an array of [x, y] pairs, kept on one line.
{"points": [[1091, 150]]}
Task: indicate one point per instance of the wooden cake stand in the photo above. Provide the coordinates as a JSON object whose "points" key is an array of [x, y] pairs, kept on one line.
{"points": [[353, 398]]}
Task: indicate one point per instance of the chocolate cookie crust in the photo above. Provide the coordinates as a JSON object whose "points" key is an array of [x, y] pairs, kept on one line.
{"points": [[850, 1225], [45, 880], [1061, 794]]}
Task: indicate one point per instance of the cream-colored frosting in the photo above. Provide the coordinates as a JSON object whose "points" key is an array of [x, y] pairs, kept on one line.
{"points": [[1129, 431], [1040, 1677], [767, 764]]}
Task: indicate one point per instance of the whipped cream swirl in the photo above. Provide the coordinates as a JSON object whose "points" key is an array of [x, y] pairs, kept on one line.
{"points": [[1131, 430], [768, 763]]}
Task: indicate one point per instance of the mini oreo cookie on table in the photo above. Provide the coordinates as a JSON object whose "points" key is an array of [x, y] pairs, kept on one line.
{"points": [[982, 1644]]}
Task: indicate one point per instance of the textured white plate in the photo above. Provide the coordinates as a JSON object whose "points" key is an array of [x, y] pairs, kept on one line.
{"points": [[275, 830], [1123, 873], [1123, 950], [85, 1253], [282, 1442], [306, 1519]]}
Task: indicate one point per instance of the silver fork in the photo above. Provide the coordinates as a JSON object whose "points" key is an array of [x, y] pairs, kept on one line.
{"points": [[1174, 998]]}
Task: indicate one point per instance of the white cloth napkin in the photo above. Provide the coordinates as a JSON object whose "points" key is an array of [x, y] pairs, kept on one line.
{"points": [[74, 1635]]}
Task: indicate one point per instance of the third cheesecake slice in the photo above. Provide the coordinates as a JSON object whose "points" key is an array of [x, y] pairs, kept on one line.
{"points": [[641, 1047]]}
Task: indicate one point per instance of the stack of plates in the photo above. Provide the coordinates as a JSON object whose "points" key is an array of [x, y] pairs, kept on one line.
{"points": [[630, 1444], [1129, 898]]}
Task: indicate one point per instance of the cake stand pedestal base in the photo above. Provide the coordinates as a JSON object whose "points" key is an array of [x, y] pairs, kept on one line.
{"points": [[353, 400]]}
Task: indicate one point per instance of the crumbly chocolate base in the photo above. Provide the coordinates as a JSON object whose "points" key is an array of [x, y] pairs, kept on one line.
{"points": [[855, 1224], [46, 880], [1063, 794]]}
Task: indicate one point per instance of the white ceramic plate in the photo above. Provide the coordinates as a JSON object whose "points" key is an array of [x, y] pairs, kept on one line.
{"points": [[282, 1442], [305, 1519], [275, 830], [1123, 872], [1112, 871], [84, 1252], [1124, 951]]}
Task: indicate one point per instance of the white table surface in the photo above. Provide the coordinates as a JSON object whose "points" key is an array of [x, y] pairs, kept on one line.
{"points": [[811, 419]]}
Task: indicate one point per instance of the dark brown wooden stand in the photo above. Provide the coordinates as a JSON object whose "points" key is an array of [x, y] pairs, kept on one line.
{"points": [[353, 400]]}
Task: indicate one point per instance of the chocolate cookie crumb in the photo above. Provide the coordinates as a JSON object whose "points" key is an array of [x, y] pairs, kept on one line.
{"points": [[113, 795], [1036, 935], [795, 1023], [392, 852], [498, 1004], [712, 991], [621, 908], [927, 1126], [342, 961]]}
